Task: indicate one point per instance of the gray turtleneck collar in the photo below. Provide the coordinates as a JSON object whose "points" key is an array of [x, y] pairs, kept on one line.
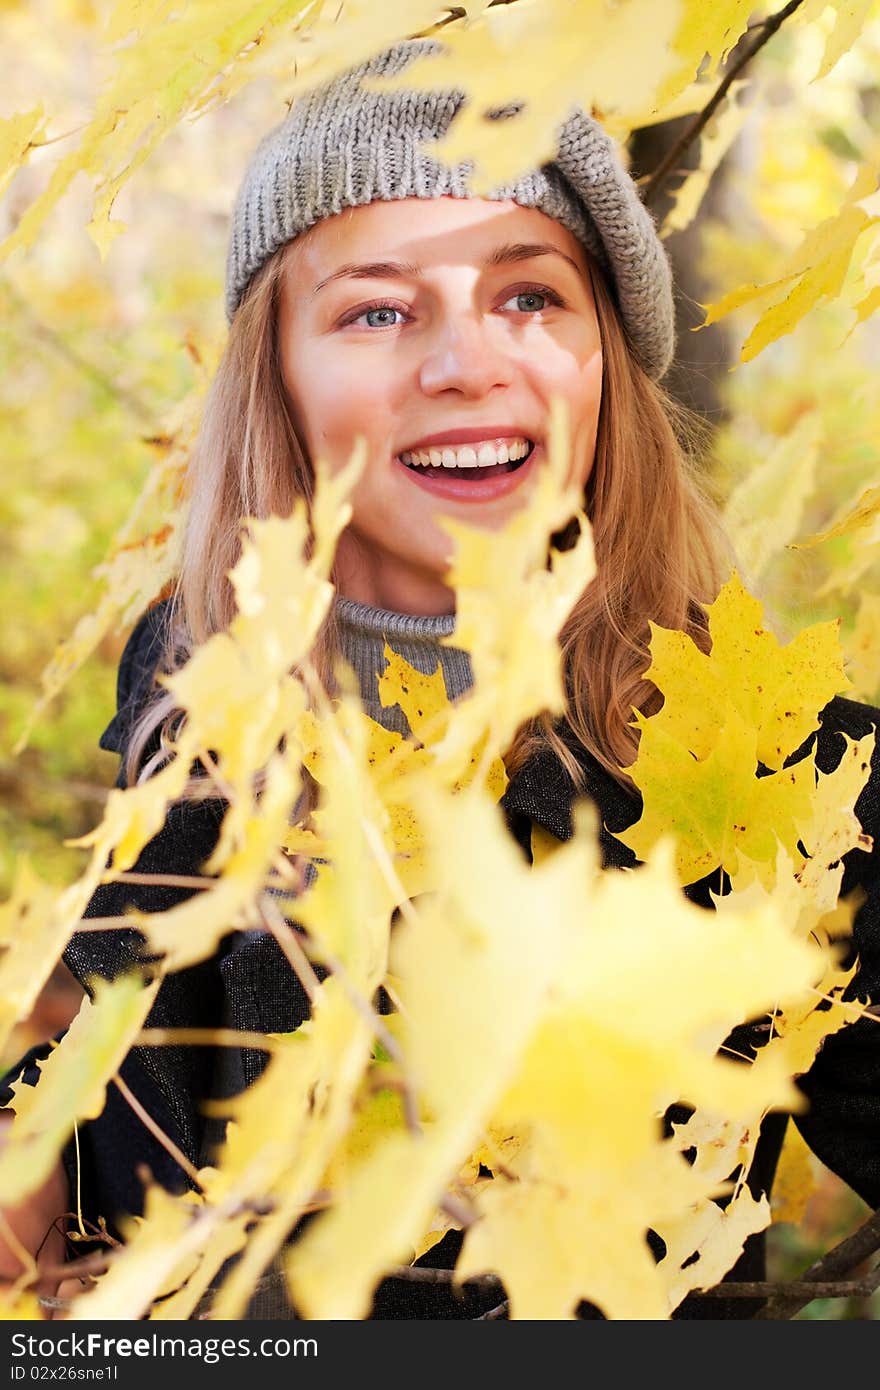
{"points": [[363, 631]]}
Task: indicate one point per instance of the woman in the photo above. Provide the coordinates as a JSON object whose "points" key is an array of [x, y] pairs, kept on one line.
{"points": [[369, 293]]}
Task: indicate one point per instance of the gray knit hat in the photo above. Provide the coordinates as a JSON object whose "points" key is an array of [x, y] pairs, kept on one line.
{"points": [[340, 146]]}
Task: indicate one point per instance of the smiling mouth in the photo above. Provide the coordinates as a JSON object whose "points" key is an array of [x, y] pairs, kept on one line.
{"points": [[477, 473]]}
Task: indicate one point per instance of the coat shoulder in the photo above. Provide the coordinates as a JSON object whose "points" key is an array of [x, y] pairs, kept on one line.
{"points": [[842, 716], [135, 678]]}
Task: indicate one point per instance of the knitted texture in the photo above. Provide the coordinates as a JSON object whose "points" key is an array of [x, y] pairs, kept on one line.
{"points": [[341, 146], [363, 632]]}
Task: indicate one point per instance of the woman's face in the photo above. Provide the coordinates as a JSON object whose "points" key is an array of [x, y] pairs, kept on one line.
{"points": [[436, 325]]}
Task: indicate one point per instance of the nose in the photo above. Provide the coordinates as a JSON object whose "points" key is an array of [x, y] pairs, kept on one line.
{"points": [[464, 356]]}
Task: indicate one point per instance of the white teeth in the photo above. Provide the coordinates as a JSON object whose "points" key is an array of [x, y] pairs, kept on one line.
{"points": [[486, 455]]}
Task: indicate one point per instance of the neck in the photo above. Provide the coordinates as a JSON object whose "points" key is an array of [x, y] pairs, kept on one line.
{"points": [[369, 575]]}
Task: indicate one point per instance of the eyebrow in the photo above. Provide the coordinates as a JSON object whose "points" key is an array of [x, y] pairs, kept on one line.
{"points": [[401, 270]]}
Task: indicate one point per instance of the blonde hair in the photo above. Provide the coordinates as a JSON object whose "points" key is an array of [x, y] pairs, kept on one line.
{"points": [[660, 551]]}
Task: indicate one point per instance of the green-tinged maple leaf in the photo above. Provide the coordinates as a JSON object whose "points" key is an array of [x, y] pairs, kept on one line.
{"points": [[717, 809]]}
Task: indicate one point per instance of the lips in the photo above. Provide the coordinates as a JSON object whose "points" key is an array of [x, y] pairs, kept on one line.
{"points": [[475, 434]]}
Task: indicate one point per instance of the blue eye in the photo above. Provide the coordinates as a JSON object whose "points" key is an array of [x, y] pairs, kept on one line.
{"points": [[386, 309], [533, 292]]}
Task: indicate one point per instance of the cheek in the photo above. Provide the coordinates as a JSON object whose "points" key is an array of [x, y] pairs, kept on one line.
{"points": [[342, 404], [578, 379]]}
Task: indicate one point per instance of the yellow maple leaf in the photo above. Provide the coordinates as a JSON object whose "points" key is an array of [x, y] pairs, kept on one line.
{"points": [[497, 63], [705, 1242], [774, 689]]}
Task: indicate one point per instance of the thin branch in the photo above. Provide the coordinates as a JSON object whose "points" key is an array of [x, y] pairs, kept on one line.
{"points": [[765, 32], [797, 1288], [159, 1134], [500, 1311], [205, 1037], [840, 1288], [86, 924], [288, 943], [458, 1210], [416, 1274], [165, 880], [845, 1256]]}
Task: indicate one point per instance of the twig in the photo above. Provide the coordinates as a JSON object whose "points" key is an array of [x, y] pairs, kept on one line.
{"points": [[158, 1133], [416, 1274], [840, 1288], [165, 880], [107, 924], [795, 1288], [844, 1257], [765, 31], [454, 13], [500, 1311], [459, 1211], [287, 941], [205, 1037]]}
